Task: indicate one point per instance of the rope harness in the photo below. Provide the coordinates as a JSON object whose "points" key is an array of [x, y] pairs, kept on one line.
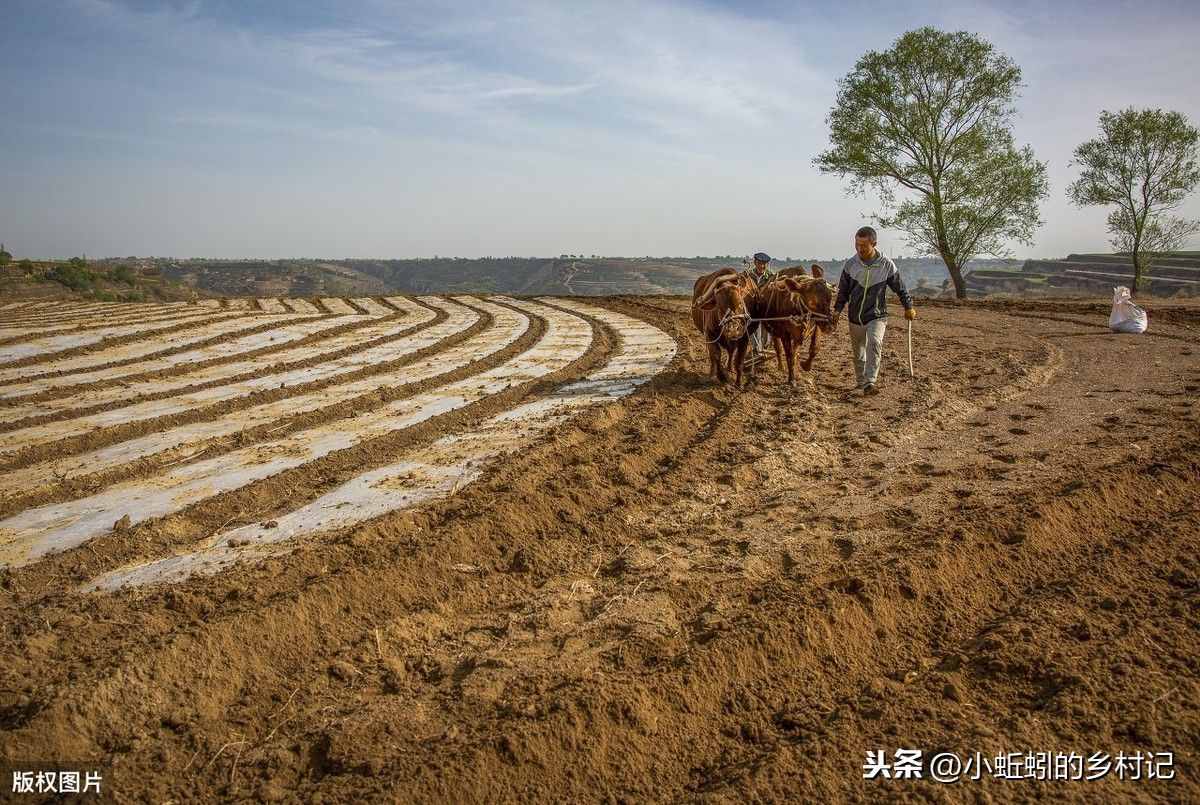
{"points": [[726, 319]]}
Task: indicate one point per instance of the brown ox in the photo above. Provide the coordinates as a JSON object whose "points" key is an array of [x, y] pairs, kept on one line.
{"points": [[800, 271], [720, 314], [795, 307]]}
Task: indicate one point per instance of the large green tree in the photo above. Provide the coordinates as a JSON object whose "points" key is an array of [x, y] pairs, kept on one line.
{"points": [[927, 125], [1144, 163]]}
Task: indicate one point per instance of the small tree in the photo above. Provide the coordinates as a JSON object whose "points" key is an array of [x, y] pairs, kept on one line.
{"points": [[1145, 163], [5, 257], [931, 118]]}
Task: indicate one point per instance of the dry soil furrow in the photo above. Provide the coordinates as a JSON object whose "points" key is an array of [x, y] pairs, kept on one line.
{"points": [[368, 305], [598, 356], [119, 314], [38, 348], [337, 306], [437, 352], [259, 341], [301, 306], [439, 469], [33, 533], [305, 360], [53, 315], [84, 345], [55, 374], [351, 585], [121, 430], [103, 319], [675, 598]]}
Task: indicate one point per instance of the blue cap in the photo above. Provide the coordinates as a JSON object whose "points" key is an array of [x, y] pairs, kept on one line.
{"points": [[763, 256]]}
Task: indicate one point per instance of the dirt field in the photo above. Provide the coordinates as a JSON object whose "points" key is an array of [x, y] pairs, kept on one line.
{"points": [[493, 549]]}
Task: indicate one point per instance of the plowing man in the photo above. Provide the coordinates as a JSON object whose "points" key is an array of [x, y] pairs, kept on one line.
{"points": [[760, 275], [865, 279]]}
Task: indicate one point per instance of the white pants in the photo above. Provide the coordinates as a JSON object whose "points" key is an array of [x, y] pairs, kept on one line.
{"points": [[866, 343]]}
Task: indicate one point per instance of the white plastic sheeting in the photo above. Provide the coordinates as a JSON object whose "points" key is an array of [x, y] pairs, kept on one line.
{"points": [[427, 473], [507, 327], [83, 338], [39, 434], [31, 534], [77, 365]]}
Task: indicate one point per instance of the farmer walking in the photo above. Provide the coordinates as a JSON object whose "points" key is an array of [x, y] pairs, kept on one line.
{"points": [[865, 279]]}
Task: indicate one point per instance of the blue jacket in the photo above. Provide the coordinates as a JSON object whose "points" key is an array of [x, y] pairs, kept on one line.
{"points": [[864, 287]]}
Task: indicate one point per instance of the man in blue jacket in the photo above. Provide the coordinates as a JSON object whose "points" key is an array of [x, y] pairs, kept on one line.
{"points": [[865, 279]]}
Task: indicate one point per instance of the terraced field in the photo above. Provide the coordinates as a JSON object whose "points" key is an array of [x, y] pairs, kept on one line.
{"points": [[121, 420], [488, 548]]}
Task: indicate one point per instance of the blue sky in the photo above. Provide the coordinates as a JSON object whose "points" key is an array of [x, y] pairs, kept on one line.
{"points": [[506, 127]]}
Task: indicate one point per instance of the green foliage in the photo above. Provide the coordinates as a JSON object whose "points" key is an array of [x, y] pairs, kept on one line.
{"points": [[5, 256], [26, 266], [123, 273], [1145, 164], [74, 275], [931, 119]]}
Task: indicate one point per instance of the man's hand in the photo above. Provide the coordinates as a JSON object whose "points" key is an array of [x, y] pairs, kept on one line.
{"points": [[910, 313]]}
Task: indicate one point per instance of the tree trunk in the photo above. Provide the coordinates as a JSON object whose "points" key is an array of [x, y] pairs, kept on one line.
{"points": [[1137, 269], [960, 289]]}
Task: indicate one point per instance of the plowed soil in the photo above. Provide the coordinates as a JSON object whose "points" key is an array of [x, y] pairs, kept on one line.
{"points": [[690, 593]]}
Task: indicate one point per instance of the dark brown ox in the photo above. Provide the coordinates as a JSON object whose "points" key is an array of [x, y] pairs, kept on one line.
{"points": [[720, 313], [796, 307]]}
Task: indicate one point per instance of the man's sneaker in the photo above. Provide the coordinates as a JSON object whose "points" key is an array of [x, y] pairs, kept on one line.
{"points": [[869, 389]]}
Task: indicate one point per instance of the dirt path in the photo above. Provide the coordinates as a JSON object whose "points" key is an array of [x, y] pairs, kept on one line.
{"points": [[686, 593]]}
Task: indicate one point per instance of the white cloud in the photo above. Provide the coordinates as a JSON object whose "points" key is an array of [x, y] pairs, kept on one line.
{"points": [[515, 126]]}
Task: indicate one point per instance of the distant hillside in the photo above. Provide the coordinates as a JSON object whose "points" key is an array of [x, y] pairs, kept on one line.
{"points": [[130, 280], [573, 275], [1171, 274]]}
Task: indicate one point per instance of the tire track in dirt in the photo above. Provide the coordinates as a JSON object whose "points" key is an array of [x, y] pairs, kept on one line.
{"points": [[34, 532], [439, 352], [311, 343], [437, 470]]}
